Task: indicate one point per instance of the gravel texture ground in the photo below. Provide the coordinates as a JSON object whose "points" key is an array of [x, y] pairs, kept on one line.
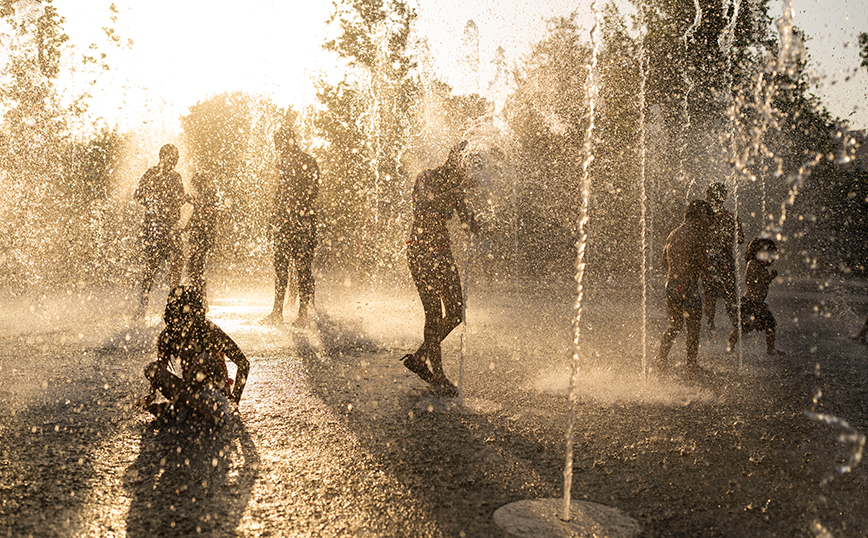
{"points": [[335, 438]]}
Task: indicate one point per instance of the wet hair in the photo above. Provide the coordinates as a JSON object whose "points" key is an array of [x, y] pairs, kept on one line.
{"points": [[758, 245], [697, 209], [169, 150], [716, 191], [184, 303]]}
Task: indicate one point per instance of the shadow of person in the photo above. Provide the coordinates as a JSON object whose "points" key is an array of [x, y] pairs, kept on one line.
{"points": [[189, 478]]}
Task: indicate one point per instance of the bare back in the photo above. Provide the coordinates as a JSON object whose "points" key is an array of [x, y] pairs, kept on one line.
{"points": [[684, 256]]}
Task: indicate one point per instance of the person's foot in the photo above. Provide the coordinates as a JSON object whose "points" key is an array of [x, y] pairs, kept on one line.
{"points": [[730, 343], [693, 369], [418, 367], [301, 321], [146, 401], [444, 387], [163, 410], [273, 319]]}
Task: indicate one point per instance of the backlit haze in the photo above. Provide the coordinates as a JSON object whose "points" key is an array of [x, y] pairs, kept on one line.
{"points": [[183, 52]]}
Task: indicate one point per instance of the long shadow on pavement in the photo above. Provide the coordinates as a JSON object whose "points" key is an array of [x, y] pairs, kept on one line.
{"points": [[189, 479]]}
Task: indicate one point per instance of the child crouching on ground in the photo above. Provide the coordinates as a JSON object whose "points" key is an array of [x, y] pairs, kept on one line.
{"points": [[755, 313], [202, 349]]}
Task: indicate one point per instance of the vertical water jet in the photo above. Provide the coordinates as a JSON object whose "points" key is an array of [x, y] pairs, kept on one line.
{"points": [[581, 245]]}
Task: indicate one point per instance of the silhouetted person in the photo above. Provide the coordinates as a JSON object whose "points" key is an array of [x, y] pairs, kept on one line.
{"points": [[293, 224], [202, 230], [437, 195], [162, 193], [202, 349], [723, 234], [755, 313], [685, 260]]}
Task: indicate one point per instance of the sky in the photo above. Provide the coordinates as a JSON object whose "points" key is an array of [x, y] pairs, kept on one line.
{"points": [[185, 51]]}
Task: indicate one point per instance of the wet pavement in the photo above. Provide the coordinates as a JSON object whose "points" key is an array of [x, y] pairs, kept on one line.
{"points": [[334, 437]]}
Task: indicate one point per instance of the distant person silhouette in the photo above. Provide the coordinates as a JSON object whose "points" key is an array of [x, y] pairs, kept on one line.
{"points": [[685, 260], [723, 234], [437, 195], [161, 191], [202, 349], [755, 313], [202, 230], [293, 224]]}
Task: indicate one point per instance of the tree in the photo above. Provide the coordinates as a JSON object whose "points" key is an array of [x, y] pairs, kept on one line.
{"points": [[33, 138], [46, 185], [547, 118], [229, 138], [863, 49], [615, 213], [382, 89]]}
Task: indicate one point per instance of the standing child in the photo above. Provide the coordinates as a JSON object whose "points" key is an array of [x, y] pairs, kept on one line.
{"points": [[201, 228], [162, 193], [437, 195], [724, 234], [685, 261], [293, 225], [755, 313]]}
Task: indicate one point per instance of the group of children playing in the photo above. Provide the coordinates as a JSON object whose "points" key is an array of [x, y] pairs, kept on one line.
{"points": [[200, 383], [701, 248], [203, 385], [686, 258]]}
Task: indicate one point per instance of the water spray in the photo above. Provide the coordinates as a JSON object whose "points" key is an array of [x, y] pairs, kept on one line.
{"points": [[643, 203], [581, 244], [685, 103]]}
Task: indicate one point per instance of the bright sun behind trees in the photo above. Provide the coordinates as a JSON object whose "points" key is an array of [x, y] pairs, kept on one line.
{"points": [[715, 105]]}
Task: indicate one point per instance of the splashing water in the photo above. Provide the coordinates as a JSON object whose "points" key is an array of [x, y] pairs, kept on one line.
{"points": [[643, 206], [685, 102], [848, 436], [593, 90]]}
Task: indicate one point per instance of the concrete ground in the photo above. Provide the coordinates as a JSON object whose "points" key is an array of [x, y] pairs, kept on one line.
{"points": [[335, 438]]}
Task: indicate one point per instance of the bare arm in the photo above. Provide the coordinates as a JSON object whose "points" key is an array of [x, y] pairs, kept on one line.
{"points": [[139, 195], [233, 353], [702, 260]]}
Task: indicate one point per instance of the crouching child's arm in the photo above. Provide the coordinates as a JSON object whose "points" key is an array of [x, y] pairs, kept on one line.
{"points": [[234, 354]]}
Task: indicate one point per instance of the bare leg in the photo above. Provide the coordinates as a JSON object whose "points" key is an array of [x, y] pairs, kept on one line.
{"points": [[148, 276], [860, 336], [453, 299], [196, 270], [770, 343], [170, 385], [281, 277], [304, 268], [437, 286], [710, 305], [694, 322], [730, 303], [732, 340], [176, 263], [675, 313]]}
